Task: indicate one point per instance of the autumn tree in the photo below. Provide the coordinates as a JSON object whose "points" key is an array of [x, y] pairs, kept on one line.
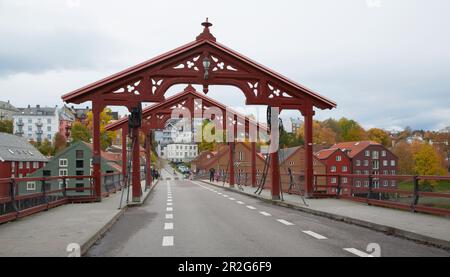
{"points": [[79, 132], [321, 133], [59, 142], [405, 155], [46, 148], [106, 137], [427, 161], [380, 136]]}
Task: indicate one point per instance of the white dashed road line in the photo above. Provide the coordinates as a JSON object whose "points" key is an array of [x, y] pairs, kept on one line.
{"points": [[285, 222], [314, 235], [169, 209], [251, 207], [232, 199], [265, 214], [169, 216], [168, 226], [357, 252], [167, 241], [240, 202]]}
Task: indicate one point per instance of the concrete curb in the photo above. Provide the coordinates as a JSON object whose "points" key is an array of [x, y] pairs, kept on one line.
{"points": [[389, 230], [99, 234]]}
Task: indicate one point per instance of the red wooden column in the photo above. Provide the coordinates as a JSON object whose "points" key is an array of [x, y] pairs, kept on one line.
{"points": [[231, 163], [148, 157], [308, 113], [96, 158], [253, 164], [136, 178], [275, 166], [124, 151]]}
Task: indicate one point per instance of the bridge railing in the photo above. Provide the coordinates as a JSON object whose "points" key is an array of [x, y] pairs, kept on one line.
{"points": [[428, 194], [20, 197]]}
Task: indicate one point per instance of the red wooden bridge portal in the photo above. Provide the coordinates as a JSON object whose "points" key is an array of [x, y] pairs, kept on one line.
{"points": [[203, 62]]}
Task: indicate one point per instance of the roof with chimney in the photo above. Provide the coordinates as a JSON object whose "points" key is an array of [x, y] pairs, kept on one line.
{"points": [[353, 148], [38, 111]]}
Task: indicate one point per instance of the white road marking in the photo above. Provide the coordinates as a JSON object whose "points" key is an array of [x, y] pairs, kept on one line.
{"points": [[357, 252], [167, 241], [232, 199], [226, 196], [168, 226], [169, 209], [219, 193], [285, 222], [251, 207], [314, 235], [240, 202], [169, 216], [265, 214], [169, 200], [169, 204]]}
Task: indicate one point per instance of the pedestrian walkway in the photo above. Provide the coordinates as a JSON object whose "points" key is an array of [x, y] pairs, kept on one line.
{"points": [[420, 227], [49, 233]]}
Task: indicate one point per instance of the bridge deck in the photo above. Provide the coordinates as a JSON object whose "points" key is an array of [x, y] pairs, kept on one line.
{"points": [[422, 227]]}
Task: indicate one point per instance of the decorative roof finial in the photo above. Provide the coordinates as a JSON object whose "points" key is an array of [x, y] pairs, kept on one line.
{"points": [[206, 34]]}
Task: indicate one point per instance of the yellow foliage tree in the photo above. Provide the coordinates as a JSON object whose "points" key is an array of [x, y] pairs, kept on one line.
{"points": [[427, 161], [106, 137]]}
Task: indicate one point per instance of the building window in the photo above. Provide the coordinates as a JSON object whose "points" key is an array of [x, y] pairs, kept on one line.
{"points": [[358, 184], [63, 162], [392, 162], [383, 153], [80, 163], [393, 172], [375, 155], [358, 172], [61, 185], [367, 153], [49, 121], [49, 128], [358, 162], [292, 163], [20, 165], [30, 121], [385, 163], [338, 158], [344, 168], [333, 168], [28, 165], [385, 172], [30, 128], [344, 180], [31, 185], [393, 183], [385, 183], [90, 162], [241, 156], [366, 162], [333, 180], [366, 183], [79, 154], [366, 172], [376, 164], [49, 136], [63, 172]]}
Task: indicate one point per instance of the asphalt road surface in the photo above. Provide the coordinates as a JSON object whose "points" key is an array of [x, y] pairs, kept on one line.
{"points": [[183, 218]]}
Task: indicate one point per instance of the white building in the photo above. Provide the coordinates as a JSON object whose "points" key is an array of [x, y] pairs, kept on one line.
{"points": [[180, 152], [36, 123]]}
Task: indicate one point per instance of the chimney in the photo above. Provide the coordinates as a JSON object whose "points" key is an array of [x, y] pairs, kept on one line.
{"points": [[38, 106], [29, 106]]}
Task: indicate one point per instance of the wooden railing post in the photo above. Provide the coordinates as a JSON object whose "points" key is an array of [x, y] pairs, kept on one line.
{"points": [[12, 193], [415, 199], [338, 189], [369, 193], [64, 187]]}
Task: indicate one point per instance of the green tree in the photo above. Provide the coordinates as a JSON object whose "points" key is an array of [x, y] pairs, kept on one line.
{"points": [[79, 132], [6, 126], [351, 130]]}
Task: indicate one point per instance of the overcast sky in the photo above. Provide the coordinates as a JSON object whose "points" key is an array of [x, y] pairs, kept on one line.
{"points": [[385, 62]]}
